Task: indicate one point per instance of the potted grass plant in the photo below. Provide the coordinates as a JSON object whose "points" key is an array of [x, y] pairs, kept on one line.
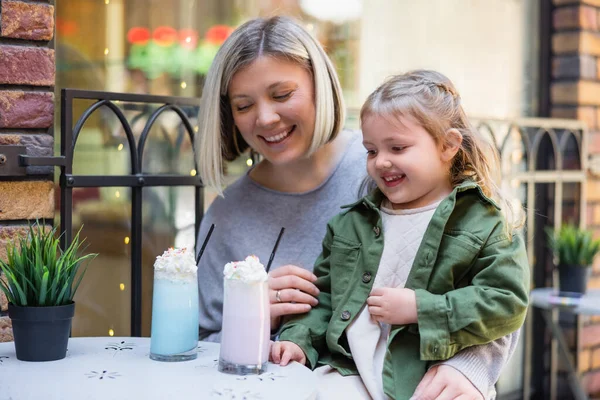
{"points": [[574, 251], [40, 280]]}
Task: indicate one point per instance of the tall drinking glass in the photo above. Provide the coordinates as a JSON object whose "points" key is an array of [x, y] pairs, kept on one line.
{"points": [[174, 333], [246, 329]]}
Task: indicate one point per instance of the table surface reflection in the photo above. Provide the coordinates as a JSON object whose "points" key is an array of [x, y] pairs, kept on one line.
{"points": [[120, 368]]}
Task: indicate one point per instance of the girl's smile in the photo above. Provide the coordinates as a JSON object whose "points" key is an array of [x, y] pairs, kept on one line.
{"points": [[393, 180]]}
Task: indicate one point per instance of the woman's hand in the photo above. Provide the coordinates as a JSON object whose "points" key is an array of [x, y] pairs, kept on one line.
{"points": [[443, 382], [291, 291], [284, 352]]}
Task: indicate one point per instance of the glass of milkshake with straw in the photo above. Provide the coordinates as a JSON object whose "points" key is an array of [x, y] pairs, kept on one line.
{"points": [[174, 331], [245, 334]]}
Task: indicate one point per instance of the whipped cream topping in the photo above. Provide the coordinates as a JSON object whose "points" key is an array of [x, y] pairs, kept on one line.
{"points": [[176, 265], [249, 270]]}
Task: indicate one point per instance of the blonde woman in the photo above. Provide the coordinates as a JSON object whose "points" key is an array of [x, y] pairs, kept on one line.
{"points": [[273, 89]]}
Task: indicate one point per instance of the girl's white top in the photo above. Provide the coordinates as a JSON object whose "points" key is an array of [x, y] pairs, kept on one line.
{"points": [[176, 265], [403, 232], [249, 270]]}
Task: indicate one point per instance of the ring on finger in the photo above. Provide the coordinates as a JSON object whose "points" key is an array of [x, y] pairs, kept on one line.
{"points": [[278, 296]]}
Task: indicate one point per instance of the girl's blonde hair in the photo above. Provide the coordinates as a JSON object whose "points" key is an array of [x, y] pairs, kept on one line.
{"points": [[277, 37], [432, 100]]}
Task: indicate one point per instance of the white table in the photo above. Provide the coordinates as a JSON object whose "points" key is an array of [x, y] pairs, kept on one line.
{"points": [[119, 368]]}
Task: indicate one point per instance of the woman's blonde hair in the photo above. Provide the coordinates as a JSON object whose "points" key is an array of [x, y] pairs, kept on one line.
{"points": [[432, 100], [278, 37]]}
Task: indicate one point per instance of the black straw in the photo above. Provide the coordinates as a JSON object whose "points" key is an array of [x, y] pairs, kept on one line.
{"points": [[205, 243], [275, 249]]}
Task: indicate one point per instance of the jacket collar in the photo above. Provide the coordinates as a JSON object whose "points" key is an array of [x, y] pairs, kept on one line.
{"points": [[470, 185], [375, 197]]}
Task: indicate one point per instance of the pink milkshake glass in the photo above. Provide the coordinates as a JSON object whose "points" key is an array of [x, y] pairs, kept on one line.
{"points": [[246, 330]]}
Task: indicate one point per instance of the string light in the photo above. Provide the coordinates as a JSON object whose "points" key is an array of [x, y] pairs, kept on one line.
{"points": [[111, 332], [193, 172], [117, 194], [126, 240], [106, 51], [183, 85], [106, 2], [120, 147], [249, 162], [122, 286], [195, 129], [188, 39]]}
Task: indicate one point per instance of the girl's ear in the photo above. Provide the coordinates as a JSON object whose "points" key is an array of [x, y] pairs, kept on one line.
{"points": [[451, 145]]}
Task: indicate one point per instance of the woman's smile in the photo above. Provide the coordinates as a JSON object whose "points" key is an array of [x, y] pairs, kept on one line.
{"points": [[278, 138]]}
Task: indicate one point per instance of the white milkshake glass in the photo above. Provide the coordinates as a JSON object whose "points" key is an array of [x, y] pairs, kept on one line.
{"points": [[246, 329]]}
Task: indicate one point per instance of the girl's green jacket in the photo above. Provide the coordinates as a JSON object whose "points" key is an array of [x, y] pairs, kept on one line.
{"points": [[471, 281]]}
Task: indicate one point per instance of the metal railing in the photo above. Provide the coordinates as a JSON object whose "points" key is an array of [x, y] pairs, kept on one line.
{"points": [[136, 179], [545, 161]]}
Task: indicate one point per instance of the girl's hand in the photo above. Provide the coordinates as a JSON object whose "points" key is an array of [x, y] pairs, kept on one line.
{"points": [[291, 291], [443, 381], [394, 306], [284, 352]]}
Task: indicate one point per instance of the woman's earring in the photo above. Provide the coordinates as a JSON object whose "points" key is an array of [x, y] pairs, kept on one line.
{"points": [[254, 156]]}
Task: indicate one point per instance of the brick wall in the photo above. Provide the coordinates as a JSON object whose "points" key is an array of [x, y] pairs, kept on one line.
{"points": [[575, 93], [26, 116]]}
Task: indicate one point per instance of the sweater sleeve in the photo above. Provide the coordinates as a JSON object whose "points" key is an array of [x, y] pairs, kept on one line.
{"points": [[482, 364], [210, 280]]}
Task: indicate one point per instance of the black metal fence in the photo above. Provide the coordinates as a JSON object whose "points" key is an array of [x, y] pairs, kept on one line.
{"points": [[137, 179]]}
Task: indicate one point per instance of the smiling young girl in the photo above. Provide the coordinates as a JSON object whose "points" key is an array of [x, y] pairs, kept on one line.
{"points": [[424, 266]]}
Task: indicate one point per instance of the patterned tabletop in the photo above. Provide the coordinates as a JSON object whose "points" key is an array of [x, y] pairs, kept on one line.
{"points": [[120, 368]]}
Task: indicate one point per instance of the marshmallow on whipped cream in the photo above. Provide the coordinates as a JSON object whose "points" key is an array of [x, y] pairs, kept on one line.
{"points": [[176, 265], [249, 270]]}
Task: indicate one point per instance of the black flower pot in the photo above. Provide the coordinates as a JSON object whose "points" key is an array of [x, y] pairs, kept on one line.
{"points": [[573, 278], [41, 333]]}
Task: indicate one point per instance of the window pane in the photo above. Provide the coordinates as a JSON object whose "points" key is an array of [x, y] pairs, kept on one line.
{"points": [[104, 297], [546, 157], [570, 152]]}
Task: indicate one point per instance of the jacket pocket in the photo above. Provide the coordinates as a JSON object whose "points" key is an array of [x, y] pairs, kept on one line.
{"points": [[343, 260], [455, 258]]}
